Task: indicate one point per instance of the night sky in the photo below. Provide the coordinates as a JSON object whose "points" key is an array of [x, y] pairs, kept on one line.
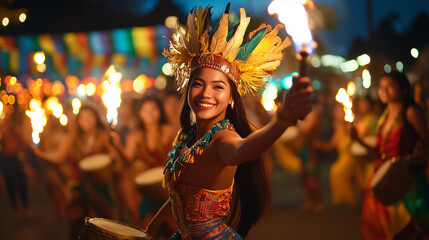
{"points": [[351, 17], [85, 15]]}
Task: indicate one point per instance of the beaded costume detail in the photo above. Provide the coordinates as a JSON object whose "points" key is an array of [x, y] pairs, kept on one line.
{"points": [[199, 213]]}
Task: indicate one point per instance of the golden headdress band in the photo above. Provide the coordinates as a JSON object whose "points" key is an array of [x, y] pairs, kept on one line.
{"points": [[220, 47]]}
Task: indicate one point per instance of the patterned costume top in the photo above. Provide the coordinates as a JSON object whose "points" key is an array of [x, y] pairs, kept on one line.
{"points": [[199, 213], [400, 140]]}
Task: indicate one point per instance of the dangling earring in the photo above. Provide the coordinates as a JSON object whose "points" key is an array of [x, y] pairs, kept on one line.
{"points": [[232, 105]]}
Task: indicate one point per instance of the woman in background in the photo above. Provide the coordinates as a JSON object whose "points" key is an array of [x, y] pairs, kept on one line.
{"points": [[401, 133], [84, 198], [344, 168], [145, 148]]}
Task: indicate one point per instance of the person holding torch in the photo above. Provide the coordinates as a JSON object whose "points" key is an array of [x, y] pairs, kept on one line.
{"points": [[215, 176]]}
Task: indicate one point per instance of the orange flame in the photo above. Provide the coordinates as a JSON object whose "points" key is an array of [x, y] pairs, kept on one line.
{"points": [[292, 13]]}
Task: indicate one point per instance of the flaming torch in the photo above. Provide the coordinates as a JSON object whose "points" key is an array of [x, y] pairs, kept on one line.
{"points": [[293, 15], [344, 98], [112, 95], [38, 119]]}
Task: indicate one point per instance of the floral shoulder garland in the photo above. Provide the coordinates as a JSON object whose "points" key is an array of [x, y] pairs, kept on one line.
{"points": [[175, 164]]}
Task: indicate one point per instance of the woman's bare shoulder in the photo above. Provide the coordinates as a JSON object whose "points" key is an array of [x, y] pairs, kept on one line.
{"points": [[413, 111], [226, 135]]}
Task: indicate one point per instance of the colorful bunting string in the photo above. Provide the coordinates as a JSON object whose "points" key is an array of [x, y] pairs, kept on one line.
{"points": [[85, 54]]}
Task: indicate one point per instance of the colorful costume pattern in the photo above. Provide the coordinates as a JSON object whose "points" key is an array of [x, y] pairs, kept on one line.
{"points": [[199, 213], [384, 222]]}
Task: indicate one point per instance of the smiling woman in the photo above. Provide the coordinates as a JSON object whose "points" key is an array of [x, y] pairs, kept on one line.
{"points": [[218, 155], [209, 94]]}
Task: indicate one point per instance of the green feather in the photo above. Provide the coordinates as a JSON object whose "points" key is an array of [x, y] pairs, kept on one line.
{"points": [[231, 33], [248, 48]]}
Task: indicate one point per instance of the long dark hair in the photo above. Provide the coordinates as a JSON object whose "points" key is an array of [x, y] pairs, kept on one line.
{"points": [[143, 100], [252, 193]]}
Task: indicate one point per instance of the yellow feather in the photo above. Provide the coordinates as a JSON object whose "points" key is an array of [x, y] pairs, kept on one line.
{"points": [[237, 39], [263, 25], [199, 21], [269, 65], [218, 42]]}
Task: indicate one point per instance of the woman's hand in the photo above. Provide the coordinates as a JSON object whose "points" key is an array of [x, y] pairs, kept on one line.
{"points": [[297, 103], [115, 139]]}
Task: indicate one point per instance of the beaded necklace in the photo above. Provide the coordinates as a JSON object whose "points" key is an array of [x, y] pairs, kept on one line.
{"points": [[176, 164]]}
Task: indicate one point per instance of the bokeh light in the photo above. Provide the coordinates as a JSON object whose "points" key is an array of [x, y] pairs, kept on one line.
{"points": [[90, 89], [315, 61], [167, 70], [139, 83], [171, 22], [351, 88], [5, 21], [22, 17], [270, 92], [81, 91], [316, 84], [287, 82], [399, 66], [350, 66], [414, 52], [41, 67], [363, 59], [63, 120], [366, 78], [160, 82], [76, 104], [57, 111], [39, 57], [387, 68]]}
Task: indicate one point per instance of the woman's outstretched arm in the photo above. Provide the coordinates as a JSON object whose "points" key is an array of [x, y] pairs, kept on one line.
{"points": [[234, 150]]}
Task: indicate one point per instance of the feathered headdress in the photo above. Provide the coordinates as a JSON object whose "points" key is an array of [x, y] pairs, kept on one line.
{"points": [[221, 47]]}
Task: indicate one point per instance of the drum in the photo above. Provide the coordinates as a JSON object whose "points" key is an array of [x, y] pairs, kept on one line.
{"points": [[106, 229], [97, 168], [149, 184], [392, 181], [360, 151]]}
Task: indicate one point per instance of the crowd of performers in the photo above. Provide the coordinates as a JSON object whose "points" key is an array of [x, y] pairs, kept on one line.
{"points": [[141, 142], [149, 124], [218, 169]]}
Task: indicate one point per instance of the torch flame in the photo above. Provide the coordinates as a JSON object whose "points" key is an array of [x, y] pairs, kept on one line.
{"points": [[38, 119], [343, 98], [112, 95], [293, 15], [76, 104]]}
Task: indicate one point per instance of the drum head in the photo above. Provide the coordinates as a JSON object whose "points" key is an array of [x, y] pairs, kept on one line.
{"points": [[94, 162], [370, 140], [151, 176], [290, 134], [381, 172], [118, 229], [358, 150]]}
